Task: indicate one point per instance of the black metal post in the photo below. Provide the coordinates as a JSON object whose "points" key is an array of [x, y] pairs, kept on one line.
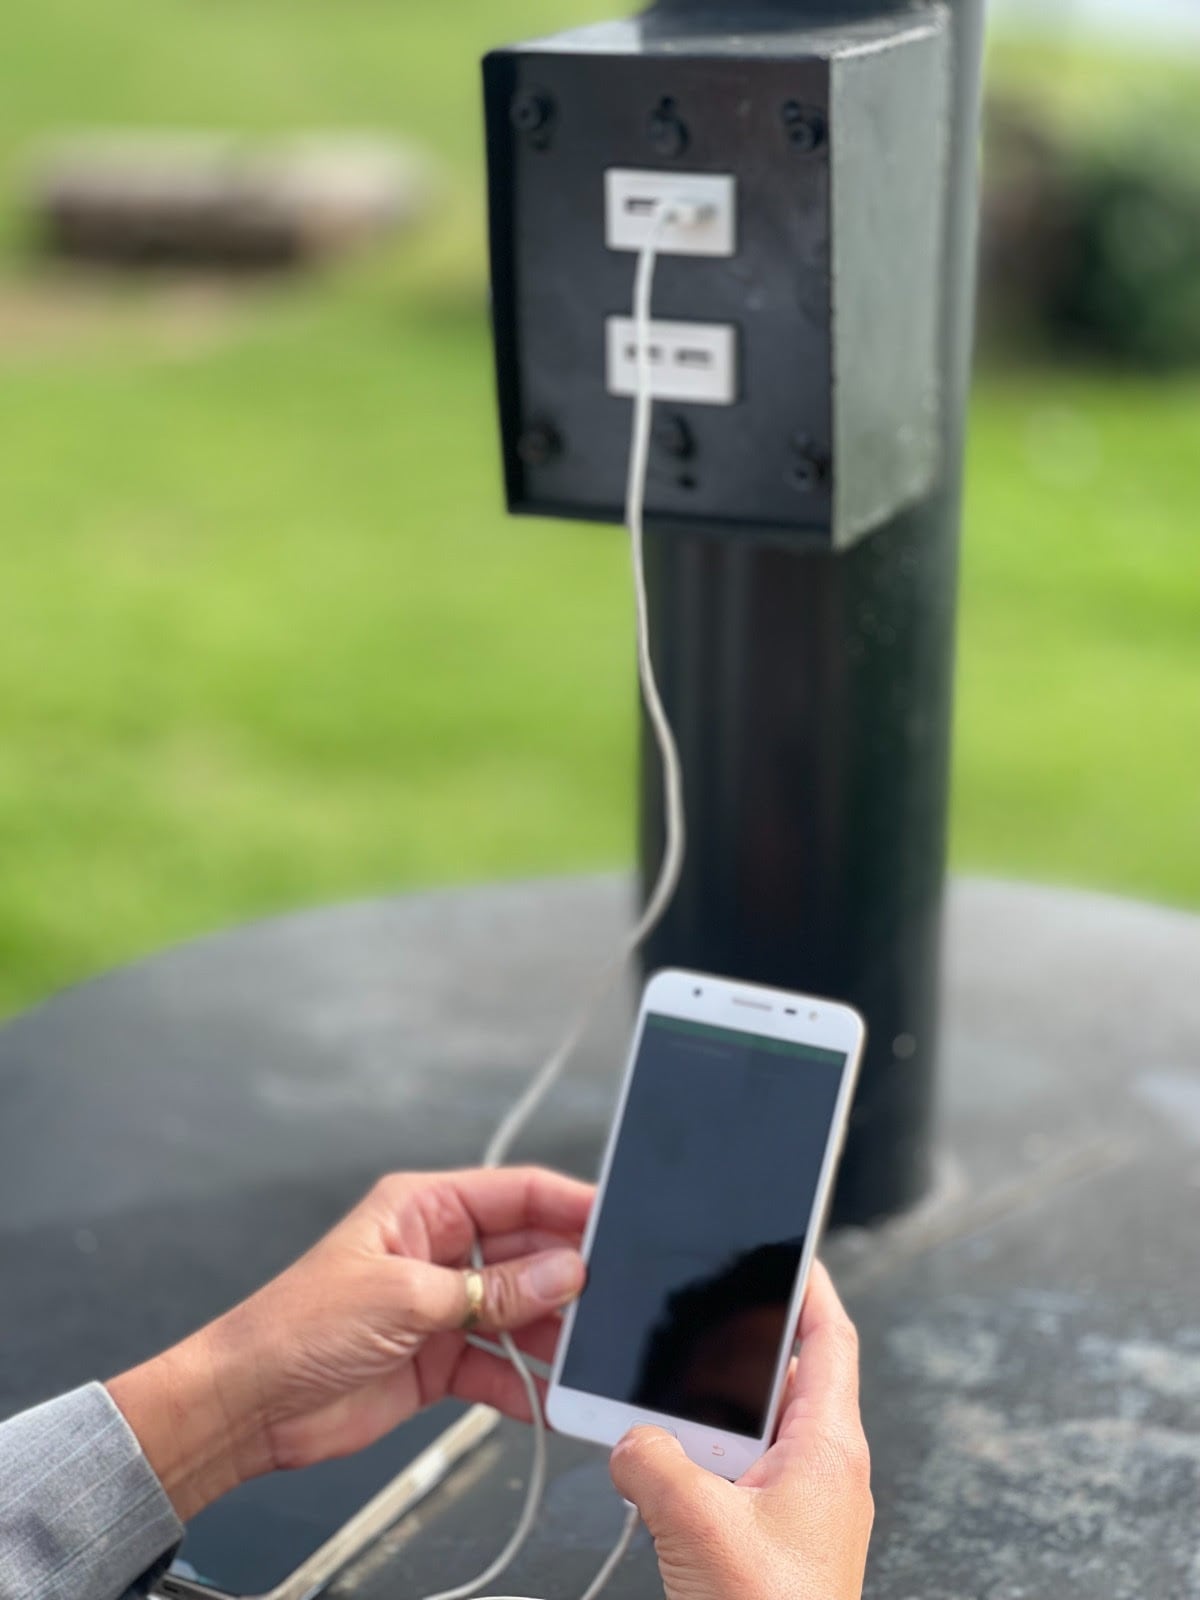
{"points": [[811, 693]]}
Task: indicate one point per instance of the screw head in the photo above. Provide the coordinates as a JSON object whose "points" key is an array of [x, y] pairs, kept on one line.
{"points": [[809, 466], [673, 436], [805, 126], [667, 131], [538, 444], [531, 111]]}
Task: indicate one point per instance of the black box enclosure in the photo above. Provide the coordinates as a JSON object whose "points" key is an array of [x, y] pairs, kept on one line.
{"points": [[837, 138]]}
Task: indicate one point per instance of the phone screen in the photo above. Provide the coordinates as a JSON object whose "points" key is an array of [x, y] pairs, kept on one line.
{"points": [[702, 1223]]}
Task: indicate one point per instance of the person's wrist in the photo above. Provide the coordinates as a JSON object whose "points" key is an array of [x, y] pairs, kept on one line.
{"points": [[196, 1419]]}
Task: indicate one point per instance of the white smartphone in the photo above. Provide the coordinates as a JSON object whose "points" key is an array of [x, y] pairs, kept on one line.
{"points": [[712, 1194]]}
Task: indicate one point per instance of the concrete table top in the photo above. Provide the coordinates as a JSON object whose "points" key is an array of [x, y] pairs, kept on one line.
{"points": [[173, 1133]]}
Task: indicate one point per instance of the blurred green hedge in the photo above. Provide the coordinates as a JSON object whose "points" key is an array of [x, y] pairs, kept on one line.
{"points": [[1092, 235]]}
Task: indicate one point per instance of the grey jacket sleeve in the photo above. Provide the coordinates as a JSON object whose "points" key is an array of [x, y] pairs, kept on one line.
{"points": [[82, 1514]]}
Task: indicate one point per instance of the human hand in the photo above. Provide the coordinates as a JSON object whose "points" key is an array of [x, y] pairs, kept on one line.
{"points": [[364, 1330], [799, 1522]]}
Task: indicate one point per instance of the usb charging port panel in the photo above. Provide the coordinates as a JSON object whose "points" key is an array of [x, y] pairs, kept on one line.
{"points": [[688, 361], [633, 198]]}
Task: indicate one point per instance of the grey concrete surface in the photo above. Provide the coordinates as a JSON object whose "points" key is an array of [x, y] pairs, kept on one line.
{"points": [[1031, 1334]]}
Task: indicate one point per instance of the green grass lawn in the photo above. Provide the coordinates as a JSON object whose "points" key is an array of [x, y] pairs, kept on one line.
{"points": [[268, 639]]}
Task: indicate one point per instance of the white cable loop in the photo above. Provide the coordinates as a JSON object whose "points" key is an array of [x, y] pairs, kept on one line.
{"points": [[680, 211]]}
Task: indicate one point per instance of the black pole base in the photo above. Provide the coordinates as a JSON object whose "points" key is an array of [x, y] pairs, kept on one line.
{"points": [[811, 691], [811, 698]]}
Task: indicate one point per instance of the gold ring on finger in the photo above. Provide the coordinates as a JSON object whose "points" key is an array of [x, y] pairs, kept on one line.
{"points": [[473, 1282]]}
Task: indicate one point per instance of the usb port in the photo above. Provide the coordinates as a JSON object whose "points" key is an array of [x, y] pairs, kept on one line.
{"points": [[686, 361], [633, 199]]}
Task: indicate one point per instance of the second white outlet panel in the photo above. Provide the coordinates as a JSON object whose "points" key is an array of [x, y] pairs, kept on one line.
{"points": [[692, 361]]}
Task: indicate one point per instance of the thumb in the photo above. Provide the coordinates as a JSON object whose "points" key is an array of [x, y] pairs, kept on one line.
{"points": [[514, 1292], [650, 1468]]}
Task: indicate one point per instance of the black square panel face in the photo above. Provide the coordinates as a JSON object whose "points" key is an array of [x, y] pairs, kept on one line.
{"points": [[557, 120]]}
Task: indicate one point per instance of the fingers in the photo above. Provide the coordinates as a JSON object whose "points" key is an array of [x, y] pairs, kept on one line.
{"points": [[824, 1385], [822, 1303], [489, 1381], [650, 1469], [433, 1299], [502, 1199], [488, 1377], [450, 1210], [524, 1242], [482, 1378], [539, 1339]]}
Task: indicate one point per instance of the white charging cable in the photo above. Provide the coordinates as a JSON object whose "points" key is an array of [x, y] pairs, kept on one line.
{"points": [[678, 212]]}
